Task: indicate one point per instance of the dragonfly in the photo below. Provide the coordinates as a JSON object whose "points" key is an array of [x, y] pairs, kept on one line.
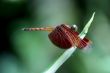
{"points": [[64, 36]]}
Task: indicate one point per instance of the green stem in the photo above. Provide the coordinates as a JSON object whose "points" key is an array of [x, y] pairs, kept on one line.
{"points": [[61, 60]]}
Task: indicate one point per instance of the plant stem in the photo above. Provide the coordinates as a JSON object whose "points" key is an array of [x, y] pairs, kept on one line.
{"points": [[85, 29], [61, 60], [70, 51]]}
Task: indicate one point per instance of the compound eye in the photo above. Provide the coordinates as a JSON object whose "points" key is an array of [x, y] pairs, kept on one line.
{"points": [[74, 27]]}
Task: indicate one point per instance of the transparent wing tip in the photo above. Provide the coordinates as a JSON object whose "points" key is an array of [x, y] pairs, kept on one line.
{"points": [[88, 48]]}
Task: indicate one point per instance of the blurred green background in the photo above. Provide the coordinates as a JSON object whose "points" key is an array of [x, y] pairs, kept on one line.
{"points": [[32, 52]]}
